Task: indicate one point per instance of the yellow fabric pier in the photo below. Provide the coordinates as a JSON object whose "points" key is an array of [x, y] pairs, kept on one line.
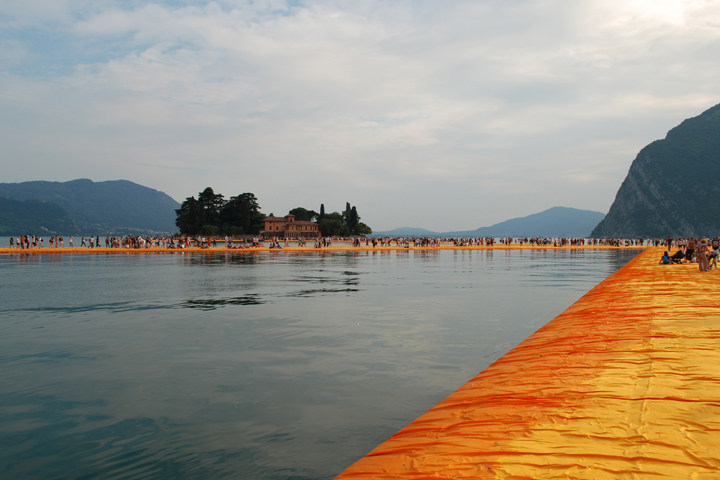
{"points": [[625, 384]]}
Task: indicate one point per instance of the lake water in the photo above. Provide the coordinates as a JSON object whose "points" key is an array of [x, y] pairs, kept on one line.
{"points": [[257, 366]]}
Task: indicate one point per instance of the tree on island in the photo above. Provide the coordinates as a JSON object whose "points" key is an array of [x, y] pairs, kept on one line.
{"points": [[352, 220], [345, 224], [190, 217], [211, 204], [332, 225], [303, 215], [241, 215], [211, 214]]}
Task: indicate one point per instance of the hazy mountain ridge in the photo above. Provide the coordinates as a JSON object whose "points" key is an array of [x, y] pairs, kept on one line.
{"points": [[117, 206], [553, 222], [672, 187], [406, 232]]}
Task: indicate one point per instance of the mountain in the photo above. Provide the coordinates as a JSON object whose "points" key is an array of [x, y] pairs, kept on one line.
{"points": [[673, 185], [554, 222], [116, 206], [406, 232], [34, 217]]}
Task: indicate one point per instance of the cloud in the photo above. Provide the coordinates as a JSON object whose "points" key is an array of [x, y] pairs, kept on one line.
{"points": [[463, 113]]}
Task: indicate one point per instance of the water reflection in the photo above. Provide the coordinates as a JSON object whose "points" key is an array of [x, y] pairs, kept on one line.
{"points": [[282, 365], [211, 304]]}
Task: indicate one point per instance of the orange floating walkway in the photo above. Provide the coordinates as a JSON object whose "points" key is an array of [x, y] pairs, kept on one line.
{"points": [[625, 384]]}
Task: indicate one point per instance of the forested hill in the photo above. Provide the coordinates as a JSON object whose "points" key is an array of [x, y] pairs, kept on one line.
{"points": [[112, 206], [673, 186], [34, 217]]}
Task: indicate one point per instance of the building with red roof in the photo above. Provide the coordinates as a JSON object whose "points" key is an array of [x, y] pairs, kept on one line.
{"points": [[287, 226]]}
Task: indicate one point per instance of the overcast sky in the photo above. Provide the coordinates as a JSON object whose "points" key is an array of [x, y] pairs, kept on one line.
{"points": [[446, 115]]}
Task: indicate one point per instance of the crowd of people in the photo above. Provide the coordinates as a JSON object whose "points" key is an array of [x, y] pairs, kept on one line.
{"points": [[94, 241], [702, 251], [688, 248], [491, 241]]}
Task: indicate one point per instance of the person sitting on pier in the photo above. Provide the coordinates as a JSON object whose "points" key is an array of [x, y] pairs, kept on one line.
{"points": [[665, 259], [678, 257]]}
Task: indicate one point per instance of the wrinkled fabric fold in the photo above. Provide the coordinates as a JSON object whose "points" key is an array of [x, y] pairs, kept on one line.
{"points": [[624, 384]]}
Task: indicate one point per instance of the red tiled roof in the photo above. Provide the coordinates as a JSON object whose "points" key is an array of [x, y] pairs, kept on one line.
{"points": [[281, 219]]}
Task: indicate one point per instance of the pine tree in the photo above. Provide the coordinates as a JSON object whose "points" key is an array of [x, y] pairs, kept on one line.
{"points": [[353, 219]]}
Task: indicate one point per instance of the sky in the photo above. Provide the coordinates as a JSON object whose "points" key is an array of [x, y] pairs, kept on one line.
{"points": [[445, 115]]}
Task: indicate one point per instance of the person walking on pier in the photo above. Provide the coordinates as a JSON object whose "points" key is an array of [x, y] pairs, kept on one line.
{"points": [[701, 254], [690, 250], [714, 252]]}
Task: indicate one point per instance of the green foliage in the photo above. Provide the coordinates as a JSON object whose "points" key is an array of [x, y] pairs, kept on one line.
{"points": [[353, 221], [342, 224], [363, 229], [34, 217], [209, 230], [334, 216], [190, 217], [331, 227], [241, 212], [304, 215], [211, 214], [211, 204]]}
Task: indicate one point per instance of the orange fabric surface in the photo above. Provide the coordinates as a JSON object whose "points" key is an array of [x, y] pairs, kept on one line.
{"points": [[625, 384]]}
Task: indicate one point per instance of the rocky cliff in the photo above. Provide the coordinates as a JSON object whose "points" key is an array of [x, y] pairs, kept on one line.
{"points": [[673, 186]]}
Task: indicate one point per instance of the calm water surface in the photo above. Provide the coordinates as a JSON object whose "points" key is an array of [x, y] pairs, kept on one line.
{"points": [[259, 366]]}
